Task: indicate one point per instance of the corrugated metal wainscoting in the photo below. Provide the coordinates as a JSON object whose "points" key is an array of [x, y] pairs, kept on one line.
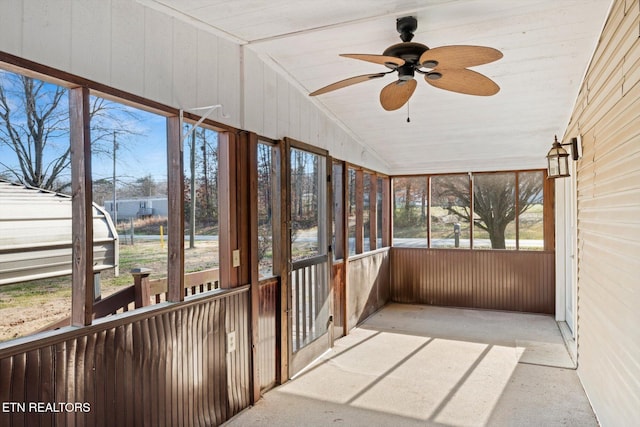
{"points": [[499, 280], [368, 285], [165, 367]]}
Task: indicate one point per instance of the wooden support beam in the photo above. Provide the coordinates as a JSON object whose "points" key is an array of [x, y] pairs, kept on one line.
{"points": [[388, 209], [175, 190], [429, 211], [338, 208], [548, 213], [253, 264], [277, 212], [471, 209], [285, 303], [279, 255], [244, 170], [373, 211], [227, 208], [82, 208], [359, 211], [517, 208], [345, 245]]}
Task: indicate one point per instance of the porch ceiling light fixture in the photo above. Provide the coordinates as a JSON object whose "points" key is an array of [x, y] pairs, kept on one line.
{"points": [[558, 158]]}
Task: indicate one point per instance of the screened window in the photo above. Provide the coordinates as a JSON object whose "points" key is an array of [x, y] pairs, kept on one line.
{"points": [[308, 182], [201, 148], [351, 218], [501, 210], [338, 212], [35, 285], [494, 211], [366, 212], [410, 212], [450, 211], [530, 210], [129, 168], [268, 203]]}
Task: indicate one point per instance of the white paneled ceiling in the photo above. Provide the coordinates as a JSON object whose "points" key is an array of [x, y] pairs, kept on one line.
{"points": [[547, 45]]}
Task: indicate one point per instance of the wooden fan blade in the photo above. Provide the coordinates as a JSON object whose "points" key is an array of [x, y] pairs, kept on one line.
{"points": [[463, 81], [347, 82], [396, 94], [459, 56], [389, 61]]}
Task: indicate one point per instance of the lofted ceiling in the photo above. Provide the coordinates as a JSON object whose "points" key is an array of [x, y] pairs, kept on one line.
{"points": [[547, 45]]}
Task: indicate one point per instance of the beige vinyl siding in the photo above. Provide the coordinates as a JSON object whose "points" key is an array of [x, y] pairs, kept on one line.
{"points": [[607, 115]]}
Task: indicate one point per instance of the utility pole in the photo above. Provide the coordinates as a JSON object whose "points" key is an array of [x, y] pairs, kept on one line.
{"points": [[192, 216], [115, 209]]}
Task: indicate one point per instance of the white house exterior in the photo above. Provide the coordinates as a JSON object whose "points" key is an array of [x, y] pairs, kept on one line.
{"points": [[138, 208]]}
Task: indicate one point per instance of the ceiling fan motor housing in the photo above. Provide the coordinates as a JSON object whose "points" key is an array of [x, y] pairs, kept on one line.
{"points": [[406, 72], [408, 51], [406, 26]]}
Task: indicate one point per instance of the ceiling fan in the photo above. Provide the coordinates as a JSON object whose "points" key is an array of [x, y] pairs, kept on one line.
{"points": [[443, 67]]}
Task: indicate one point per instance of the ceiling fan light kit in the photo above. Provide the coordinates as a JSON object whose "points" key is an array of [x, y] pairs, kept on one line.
{"points": [[444, 67]]}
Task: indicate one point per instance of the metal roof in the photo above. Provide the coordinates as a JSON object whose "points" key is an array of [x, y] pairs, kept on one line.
{"points": [[35, 235]]}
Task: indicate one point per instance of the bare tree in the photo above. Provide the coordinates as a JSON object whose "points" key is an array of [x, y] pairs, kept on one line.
{"points": [[145, 186], [494, 201], [32, 120], [407, 191], [34, 125]]}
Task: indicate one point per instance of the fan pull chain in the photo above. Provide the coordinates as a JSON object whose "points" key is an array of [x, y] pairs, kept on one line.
{"points": [[408, 119]]}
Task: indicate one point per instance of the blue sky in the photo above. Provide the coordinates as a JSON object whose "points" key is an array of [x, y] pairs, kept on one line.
{"points": [[141, 136], [139, 154]]}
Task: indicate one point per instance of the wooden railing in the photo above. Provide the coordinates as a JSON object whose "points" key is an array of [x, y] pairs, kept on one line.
{"points": [[310, 296], [146, 292]]}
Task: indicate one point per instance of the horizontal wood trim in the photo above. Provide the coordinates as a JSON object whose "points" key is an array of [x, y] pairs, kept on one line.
{"points": [[307, 262], [500, 280], [197, 278], [293, 143]]}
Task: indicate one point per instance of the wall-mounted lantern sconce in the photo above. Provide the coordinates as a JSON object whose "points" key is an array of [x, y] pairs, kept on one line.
{"points": [[558, 158]]}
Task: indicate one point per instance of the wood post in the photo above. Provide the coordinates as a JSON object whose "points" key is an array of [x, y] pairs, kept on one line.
{"points": [[359, 211], [175, 268], [253, 264], [228, 209], [373, 211], [82, 208], [549, 220], [141, 285]]}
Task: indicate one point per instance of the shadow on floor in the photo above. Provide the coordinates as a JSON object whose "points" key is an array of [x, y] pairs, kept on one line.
{"points": [[421, 365]]}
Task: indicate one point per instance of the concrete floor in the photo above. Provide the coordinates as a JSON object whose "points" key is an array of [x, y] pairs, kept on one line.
{"points": [[418, 365]]}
